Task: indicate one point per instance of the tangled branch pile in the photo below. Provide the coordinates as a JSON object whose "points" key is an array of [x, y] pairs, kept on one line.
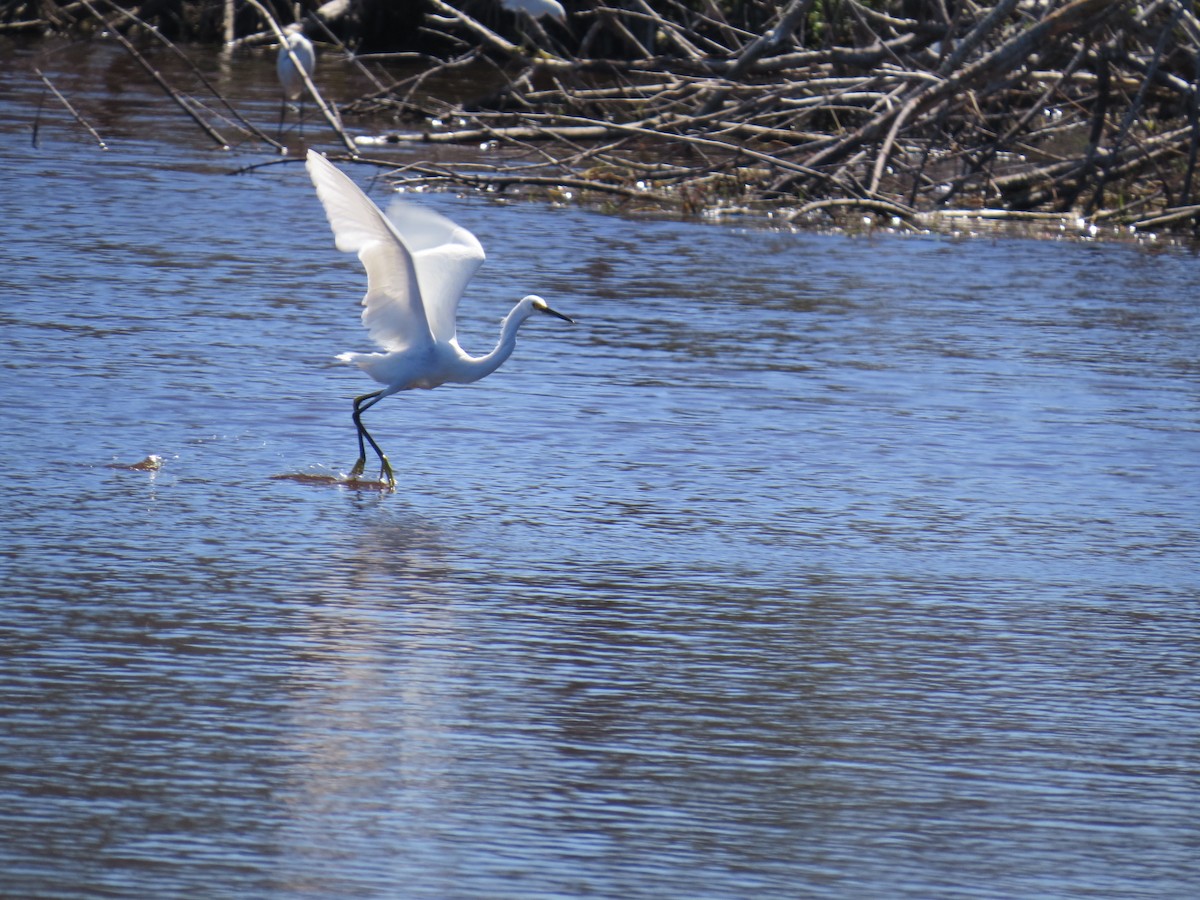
{"points": [[1087, 108]]}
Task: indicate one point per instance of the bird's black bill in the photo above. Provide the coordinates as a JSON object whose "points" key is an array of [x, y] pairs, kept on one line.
{"points": [[553, 312]]}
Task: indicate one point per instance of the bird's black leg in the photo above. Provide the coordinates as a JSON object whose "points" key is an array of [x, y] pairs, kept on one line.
{"points": [[361, 405], [358, 425]]}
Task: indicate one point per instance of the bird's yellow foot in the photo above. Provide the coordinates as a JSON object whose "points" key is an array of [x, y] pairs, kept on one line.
{"points": [[358, 468], [385, 473]]}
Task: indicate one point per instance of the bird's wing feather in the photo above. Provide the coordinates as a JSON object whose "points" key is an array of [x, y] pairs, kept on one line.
{"points": [[446, 256], [393, 311]]}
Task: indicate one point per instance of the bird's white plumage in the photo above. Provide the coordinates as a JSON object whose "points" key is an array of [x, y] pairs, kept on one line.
{"points": [[446, 257], [537, 8], [392, 310], [418, 263], [302, 49]]}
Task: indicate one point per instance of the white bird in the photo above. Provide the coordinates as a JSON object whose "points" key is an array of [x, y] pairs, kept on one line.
{"points": [[295, 54], [418, 264], [537, 8]]}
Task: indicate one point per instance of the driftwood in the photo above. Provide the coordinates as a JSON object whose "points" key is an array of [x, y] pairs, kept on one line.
{"points": [[1085, 110], [75, 114], [809, 110]]}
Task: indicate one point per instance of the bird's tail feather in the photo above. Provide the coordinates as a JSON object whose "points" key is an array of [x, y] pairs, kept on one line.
{"points": [[374, 364]]}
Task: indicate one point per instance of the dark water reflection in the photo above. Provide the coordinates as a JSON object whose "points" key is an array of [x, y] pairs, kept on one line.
{"points": [[802, 566]]}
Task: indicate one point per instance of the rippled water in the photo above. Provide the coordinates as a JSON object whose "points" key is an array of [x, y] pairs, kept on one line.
{"points": [[803, 566]]}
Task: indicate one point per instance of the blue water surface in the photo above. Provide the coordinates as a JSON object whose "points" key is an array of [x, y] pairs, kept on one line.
{"points": [[802, 566]]}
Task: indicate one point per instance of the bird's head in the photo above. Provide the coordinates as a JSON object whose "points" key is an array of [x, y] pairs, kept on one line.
{"points": [[537, 304]]}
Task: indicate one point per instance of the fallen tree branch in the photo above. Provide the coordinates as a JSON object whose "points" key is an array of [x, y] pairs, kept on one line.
{"points": [[882, 206], [1055, 108], [156, 76], [71, 109]]}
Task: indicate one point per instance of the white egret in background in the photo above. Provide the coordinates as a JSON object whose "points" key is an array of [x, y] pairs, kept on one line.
{"points": [[537, 8], [418, 264], [286, 68]]}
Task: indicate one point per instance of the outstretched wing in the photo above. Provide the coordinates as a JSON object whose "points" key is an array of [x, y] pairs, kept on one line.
{"points": [[446, 256], [393, 311]]}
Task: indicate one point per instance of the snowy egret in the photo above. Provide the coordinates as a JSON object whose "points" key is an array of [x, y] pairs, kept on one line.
{"points": [[537, 8], [295, 50], [418, 264]]}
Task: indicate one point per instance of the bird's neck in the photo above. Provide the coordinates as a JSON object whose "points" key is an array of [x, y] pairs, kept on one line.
{"points": [[485, 365]]}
